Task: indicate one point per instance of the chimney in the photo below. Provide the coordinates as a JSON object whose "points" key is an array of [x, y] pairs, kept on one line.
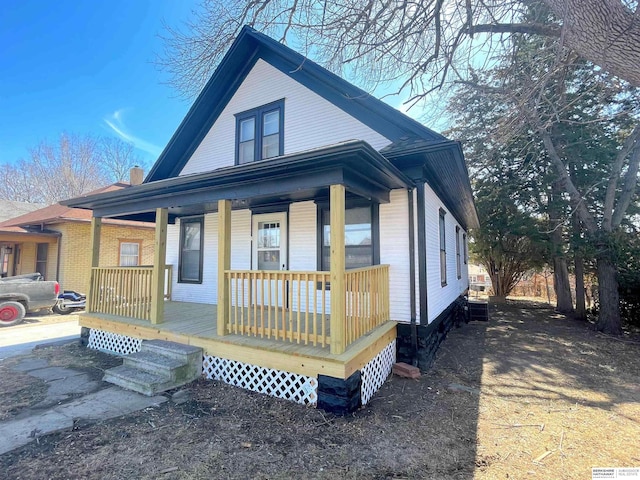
{"points": [[136, 175]]}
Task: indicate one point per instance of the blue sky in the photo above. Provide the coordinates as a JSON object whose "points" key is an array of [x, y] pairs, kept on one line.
{"points": [[86, 67]]}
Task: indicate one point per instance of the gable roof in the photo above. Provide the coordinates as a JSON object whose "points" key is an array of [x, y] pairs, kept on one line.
{"points": [[58, 213], [248, 47]]}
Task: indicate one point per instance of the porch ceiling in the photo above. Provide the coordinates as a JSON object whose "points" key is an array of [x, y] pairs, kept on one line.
{"points": [[302, 176]]}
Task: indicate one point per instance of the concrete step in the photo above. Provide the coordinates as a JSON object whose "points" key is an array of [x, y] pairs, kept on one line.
{"points": [[137, 380], [185, 353], [155, 363], [159, 366]]}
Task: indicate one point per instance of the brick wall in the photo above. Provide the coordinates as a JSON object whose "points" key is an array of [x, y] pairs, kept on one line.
{"points": [[27, 257], [75, 250]]}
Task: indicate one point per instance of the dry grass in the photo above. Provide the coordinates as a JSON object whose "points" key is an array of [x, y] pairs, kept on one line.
{"points": [[556, 399], [547, 384], [18, 391]]}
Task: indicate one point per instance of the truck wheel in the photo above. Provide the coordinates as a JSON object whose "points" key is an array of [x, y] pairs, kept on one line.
{"points": [[11, 313], [61, 309]]}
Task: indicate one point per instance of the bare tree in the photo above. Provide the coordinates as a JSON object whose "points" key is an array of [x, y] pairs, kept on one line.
{"points": [[416, 44], [118, 158], [67, 168]]}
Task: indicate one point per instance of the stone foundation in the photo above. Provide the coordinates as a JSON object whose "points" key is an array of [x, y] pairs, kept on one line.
{"points": [[429, 337]]}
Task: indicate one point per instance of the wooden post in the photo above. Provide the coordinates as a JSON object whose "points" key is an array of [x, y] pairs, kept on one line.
{"points": [[338, 297], [224, 262], [159, 260], [96, 228]]}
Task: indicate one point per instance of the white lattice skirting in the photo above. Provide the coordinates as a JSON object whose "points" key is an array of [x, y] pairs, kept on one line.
{"points": [[377, 371], [277, 383], [112, 342]]}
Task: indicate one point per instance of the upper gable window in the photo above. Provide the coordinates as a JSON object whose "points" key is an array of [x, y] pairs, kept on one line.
{"points": [[260, 133]]}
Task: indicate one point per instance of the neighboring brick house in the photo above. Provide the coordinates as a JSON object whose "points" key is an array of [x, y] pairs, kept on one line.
{"points": [[55, 241], [10, 209]]}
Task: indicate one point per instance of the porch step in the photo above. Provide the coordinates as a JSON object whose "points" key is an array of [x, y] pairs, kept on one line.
{"points": [[172, 349], [157, 367], [156, 363]]}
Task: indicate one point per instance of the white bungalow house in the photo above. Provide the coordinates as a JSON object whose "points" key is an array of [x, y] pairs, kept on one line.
{"points": [[316, 234]]}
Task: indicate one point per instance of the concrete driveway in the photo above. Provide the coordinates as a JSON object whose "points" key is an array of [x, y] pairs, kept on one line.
{"points": [[37, 328]]}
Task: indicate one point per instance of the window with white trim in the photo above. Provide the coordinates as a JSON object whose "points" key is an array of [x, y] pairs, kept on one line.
{"points": [[129, 254]]}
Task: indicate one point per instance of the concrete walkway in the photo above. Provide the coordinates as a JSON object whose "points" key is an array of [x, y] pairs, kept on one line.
{"points": [[22, 338], [51, 415]]}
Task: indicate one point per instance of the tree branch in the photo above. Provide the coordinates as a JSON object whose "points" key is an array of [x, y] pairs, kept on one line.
{"points": [[614, 177], [577, 201], [526, 28], [630, 181]]}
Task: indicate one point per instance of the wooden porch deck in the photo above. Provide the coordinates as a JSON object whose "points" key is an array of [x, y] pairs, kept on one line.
{"points": [[196, 324]]}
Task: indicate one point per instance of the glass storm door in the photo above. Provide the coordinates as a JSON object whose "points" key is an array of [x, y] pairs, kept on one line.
{"points": [[270, 253]]}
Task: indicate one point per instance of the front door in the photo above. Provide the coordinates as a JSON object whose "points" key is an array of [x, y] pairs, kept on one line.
{"points": [[270, 253], [270, 241]]}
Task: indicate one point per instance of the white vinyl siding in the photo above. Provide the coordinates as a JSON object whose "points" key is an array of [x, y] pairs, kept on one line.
{"points": [[394, 251], [440, 297], [309, 120], [302, 237]]}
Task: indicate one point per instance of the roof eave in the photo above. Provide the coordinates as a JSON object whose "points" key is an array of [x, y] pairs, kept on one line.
{"points": [[337, 156]]}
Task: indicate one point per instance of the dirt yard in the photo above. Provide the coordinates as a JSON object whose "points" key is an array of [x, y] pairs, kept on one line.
{"points": [[529, 395]]}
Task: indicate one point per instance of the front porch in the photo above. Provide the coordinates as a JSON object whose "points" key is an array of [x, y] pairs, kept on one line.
{"points": [[197, 324], [273, 310]]}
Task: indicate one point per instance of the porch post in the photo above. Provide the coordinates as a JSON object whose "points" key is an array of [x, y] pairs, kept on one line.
{"points": [[159, 260], [96, 228], [224, 262], [338, 303]]}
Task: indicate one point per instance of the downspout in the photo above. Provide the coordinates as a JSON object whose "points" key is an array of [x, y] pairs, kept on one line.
{"points": [[422, 254], [412, 279], [58, 259]]}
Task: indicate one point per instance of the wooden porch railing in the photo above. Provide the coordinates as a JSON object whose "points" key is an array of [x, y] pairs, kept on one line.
{"points": [[124, 291], [367, 300], [295, 306], [283, 305]]}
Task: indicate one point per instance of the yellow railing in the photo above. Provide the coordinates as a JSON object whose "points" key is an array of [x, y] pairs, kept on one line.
{"points": [[124, 291], [283, 305], [294, 306], [367, 300]]}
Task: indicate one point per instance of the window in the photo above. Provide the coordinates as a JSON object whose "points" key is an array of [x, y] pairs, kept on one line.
{"points": [[443, 250], [42, 254], [360, 237], [464, 246], [4, 267], [191, 246], [260, 133], [268, 247], [130, 253], [458, 264]]}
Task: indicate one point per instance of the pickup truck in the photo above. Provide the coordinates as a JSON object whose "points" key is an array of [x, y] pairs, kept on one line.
{"points": [[25, 293]]}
